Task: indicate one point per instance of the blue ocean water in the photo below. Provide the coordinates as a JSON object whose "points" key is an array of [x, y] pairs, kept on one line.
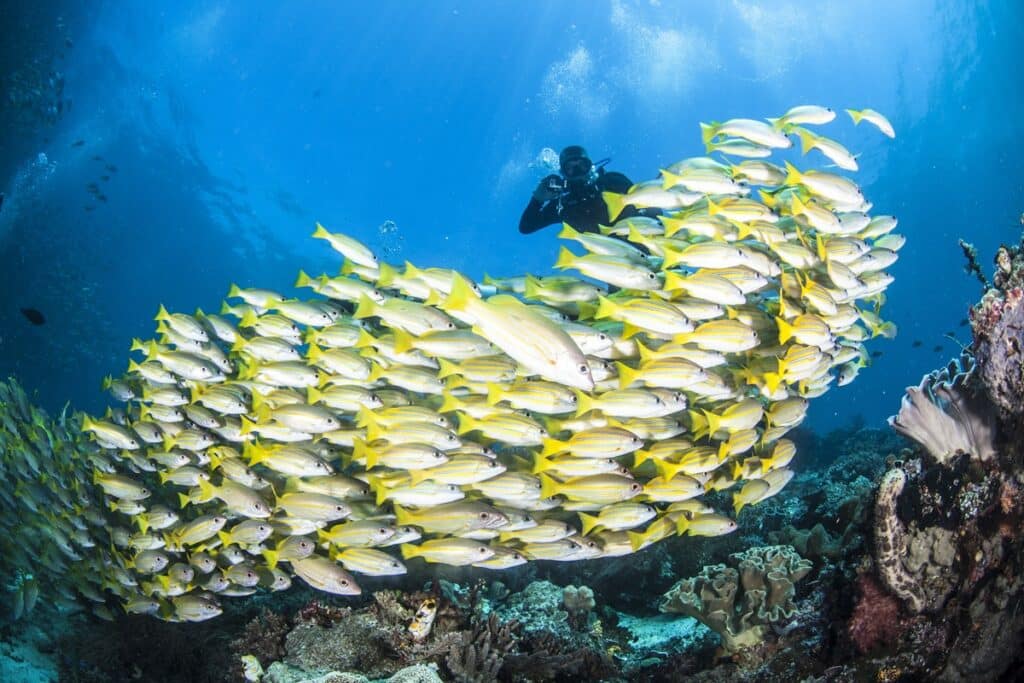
{"points": [[216, 134]]}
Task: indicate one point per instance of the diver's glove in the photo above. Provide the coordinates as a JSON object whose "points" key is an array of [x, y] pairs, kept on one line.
{"points": [[548, 189]]}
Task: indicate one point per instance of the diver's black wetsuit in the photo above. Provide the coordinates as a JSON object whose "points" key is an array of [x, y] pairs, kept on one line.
{"points": [[584, 209]]}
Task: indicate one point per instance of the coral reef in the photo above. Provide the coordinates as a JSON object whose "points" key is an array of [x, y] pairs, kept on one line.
{"points": [[998, 325], [741, 605]]}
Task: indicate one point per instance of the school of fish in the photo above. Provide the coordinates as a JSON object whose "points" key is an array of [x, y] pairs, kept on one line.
{"points": [[403, 412]]}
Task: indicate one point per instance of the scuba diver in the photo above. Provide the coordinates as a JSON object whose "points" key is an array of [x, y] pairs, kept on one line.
{"points": [[574, 197]]}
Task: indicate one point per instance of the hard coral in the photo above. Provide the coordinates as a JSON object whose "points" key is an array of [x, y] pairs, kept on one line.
{"points": [[999, 344], [998, 325], [876, 616], [480, 658]]}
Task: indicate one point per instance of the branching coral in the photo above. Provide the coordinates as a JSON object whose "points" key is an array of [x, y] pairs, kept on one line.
{"points": [[942, 415], [973, 266], [766, 576]]}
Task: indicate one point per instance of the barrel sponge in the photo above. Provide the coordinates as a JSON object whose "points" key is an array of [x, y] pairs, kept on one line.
{"points": [[944, 417], [740, 603]]}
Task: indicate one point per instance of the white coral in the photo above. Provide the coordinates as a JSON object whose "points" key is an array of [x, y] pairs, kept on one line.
{"points": [[938, 415]]}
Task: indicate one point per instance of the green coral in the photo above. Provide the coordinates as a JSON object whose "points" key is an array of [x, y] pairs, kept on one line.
{"points": [[740, 603]]}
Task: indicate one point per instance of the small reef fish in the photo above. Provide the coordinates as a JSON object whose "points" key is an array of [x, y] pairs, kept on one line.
{"points": [[403, 414]]}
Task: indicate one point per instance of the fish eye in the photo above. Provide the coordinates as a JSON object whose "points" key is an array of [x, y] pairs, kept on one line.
{"points": [[652, 276], [574, 399], [344, 582], [635, 487], [584, 368], [483, 515], [482, 550]]}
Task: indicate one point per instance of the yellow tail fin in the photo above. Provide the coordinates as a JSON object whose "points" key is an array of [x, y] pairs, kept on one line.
{"points": [[551, 447], [446, 368], [615, 202], [627, 375], [606, 308], [714, 422], [534, 288], [785, 330], [365, 308], [361, 452], [272, 557], [466, 423], [708, 131], [793, 176], [568, 232], [548, 486], [403, 341], [566, 259], [588, 522], [584, 403], [460, 296]]}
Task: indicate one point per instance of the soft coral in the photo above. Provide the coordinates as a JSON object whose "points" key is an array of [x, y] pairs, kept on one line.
{"points": [[876, 616]]}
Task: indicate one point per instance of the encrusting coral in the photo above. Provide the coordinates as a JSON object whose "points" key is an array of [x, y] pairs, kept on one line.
{"points": [[997, 322], [766, 577]]}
